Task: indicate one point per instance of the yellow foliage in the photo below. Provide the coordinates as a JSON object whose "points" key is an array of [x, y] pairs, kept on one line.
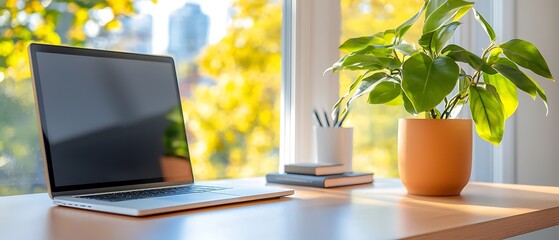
{"points": [[6, 48], [237, 119], [121, 7], [113, 25]]}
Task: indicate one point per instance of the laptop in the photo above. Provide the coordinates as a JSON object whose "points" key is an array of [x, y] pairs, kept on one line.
{"points": [[113, 135]]}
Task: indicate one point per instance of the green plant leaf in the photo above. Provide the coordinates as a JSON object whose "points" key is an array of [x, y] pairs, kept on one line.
{"points": [[367, 85], [525, 83], [526, 55], [377, 51], [463, 83], [510, 71], [507, 92], [398, 101], [462, 55], [408, 105], [384, 92], [355, 61], [406, 49], [487, 113], [427, 82], [437, 39], [433, 5], [542, 95], [485, 25], [448, 11], [425, 40], [385, 38], [494, 55], [404, 27], [358, 43]]}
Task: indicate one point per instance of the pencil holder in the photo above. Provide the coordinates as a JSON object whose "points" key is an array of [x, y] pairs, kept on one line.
{"points": [[334, 146]]}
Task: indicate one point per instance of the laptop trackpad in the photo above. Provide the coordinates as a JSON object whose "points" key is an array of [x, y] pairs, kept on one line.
{"points": [[197, 197]]}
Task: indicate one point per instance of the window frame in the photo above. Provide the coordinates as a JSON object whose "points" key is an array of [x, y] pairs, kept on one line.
{"points": [[310, 42]]}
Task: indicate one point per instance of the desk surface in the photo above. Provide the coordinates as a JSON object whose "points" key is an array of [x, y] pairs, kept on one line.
{"points": [[381, 210]]}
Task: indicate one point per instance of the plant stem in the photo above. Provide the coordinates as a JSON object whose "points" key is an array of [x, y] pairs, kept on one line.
{"points": [[433, 114]]}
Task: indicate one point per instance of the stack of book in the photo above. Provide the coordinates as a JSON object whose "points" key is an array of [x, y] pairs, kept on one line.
{"points": [[318, 175]]}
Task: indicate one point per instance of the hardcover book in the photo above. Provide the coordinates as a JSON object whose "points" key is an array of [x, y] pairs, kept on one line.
{"points": [[326, 181], [317, 169]]}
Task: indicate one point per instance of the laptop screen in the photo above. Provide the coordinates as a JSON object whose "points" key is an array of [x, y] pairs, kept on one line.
{"points": [[108, 118]]}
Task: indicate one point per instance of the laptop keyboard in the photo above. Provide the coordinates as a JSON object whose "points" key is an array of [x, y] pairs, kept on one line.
{"points": [[150, 193]]}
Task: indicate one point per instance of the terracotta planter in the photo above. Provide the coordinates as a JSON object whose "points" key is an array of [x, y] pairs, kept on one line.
{"points": [[435, 156]]}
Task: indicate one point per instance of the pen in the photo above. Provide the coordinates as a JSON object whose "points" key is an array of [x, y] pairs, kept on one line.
{"points": [[326, 118], [317, 118]]}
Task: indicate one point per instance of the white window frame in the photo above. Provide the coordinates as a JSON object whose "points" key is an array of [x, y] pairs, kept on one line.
{"points": [[310, 42]]}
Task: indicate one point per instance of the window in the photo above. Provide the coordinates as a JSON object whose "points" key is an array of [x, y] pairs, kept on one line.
{"points": [[376, 126], [228, 57]]}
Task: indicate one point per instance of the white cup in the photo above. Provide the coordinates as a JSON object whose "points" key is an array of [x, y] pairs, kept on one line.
{"points": [[334, 146]]}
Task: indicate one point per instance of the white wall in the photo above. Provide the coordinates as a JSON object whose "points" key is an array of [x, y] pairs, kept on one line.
{"points": [[538, 135], [537, 143]]}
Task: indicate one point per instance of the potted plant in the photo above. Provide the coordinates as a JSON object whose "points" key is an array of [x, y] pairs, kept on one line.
{"points": [[433, 80]]}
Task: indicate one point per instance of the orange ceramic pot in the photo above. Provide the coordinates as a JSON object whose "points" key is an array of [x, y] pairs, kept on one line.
{"points": [[434, 155]]}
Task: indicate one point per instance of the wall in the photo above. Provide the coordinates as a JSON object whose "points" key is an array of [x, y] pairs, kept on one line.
{"points": [[537, 147], [538, 135]]}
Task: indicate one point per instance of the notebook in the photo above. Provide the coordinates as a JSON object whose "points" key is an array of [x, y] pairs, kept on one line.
{"points": [[113, 135]]}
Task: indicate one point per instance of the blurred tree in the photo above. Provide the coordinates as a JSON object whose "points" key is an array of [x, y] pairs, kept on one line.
{"points": [[23, 22], [376, 127], [237, 119]]}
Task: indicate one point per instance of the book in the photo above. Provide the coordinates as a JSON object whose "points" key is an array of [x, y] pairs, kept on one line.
{"points": [[317, 169], [326, 181]]}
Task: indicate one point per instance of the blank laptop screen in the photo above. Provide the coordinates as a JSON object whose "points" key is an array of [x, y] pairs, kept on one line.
{"points": [[109, 119]]}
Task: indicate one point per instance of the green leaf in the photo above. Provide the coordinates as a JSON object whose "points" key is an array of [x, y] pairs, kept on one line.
{"points": [[427, 82], [507, 92], [379, 39], [462, 55], [425, 40], [541, 93], [526, 55], [437, 39], [384, 92], [463, 83], [510, 71], [494, 55], [404, 27], [357, 43], [433, 5], [487, 113], [376, 51], [444, 34], [398, 101], [406, 49], [408, 105], [367, 85], [449, 11], [485, 25], [355, 61]]}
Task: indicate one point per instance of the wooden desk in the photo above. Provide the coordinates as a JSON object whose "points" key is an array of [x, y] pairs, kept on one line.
{"points": [[378, 211]]}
